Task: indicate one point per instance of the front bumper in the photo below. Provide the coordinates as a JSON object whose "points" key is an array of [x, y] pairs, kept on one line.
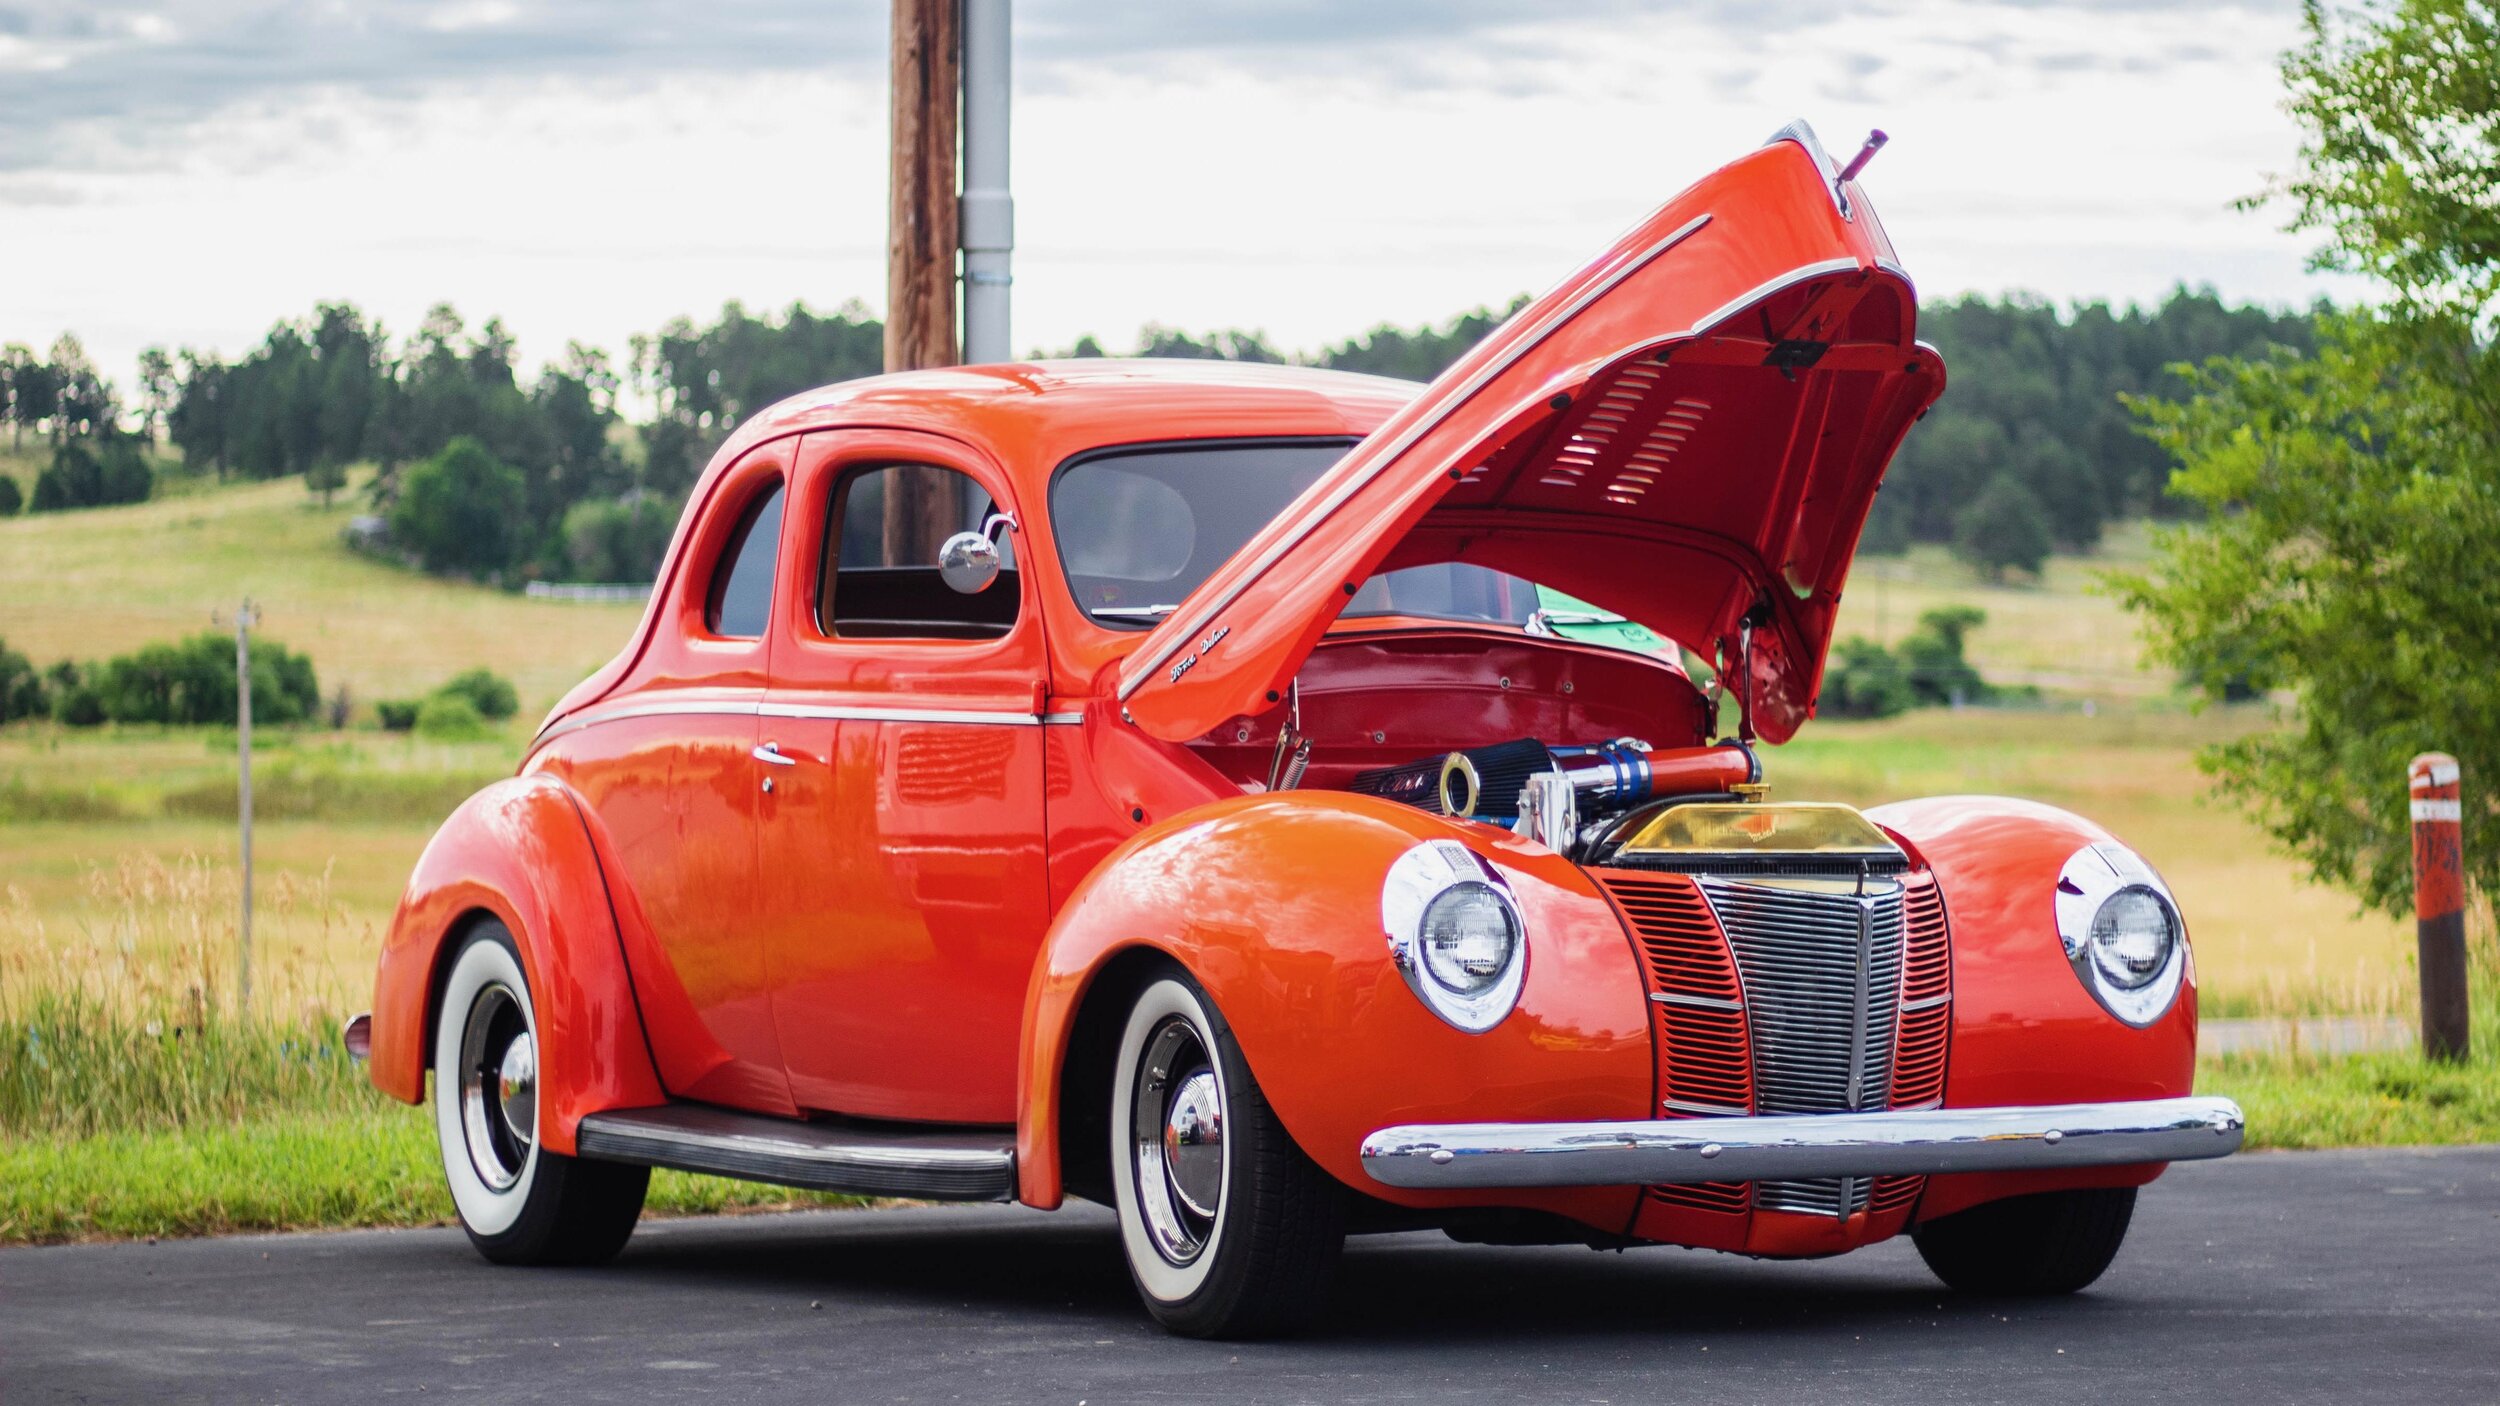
{"points": [[1662, 1152]]}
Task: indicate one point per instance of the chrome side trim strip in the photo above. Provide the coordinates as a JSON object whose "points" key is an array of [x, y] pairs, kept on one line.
{"points": [[1668, 1151], [898, 715], [725, 708], [1706, 1110], [1925, 1003], [1423, 425]]}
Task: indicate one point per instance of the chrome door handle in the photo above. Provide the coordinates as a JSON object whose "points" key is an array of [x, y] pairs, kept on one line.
{"points": [[770, 752]]}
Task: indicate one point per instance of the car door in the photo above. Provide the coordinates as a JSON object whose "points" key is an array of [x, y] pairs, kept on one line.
{"points": [[902, 865], [669, 772]]}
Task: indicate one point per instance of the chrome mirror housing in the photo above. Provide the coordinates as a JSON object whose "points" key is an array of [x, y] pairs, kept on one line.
{"points": [[968, 563]]}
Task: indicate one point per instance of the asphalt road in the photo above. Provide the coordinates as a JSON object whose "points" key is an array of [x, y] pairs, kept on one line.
{"points": [[2320, 1276]]}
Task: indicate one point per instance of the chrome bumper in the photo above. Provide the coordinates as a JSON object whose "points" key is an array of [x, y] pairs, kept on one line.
{"points": [[1666, 1151]]}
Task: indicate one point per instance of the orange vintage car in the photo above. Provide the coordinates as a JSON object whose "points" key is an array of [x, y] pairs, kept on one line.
{"points": [[1148, 782]]}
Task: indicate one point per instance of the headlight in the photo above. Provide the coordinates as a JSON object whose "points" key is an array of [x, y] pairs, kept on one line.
{"points": [[2122, 932], [1455, 933], [1469, 938]]}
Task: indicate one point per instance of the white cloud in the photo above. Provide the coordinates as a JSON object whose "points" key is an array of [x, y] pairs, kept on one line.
{"points": [[587, 170]]}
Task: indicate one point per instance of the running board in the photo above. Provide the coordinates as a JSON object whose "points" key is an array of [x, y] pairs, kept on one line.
{"points": [[885, 1159]]}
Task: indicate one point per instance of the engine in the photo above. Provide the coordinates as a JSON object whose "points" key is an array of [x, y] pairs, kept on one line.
{"points": [[1554, 794]]}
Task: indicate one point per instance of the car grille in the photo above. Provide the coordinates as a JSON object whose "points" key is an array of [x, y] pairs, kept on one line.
{"points": [[1779, 996]]}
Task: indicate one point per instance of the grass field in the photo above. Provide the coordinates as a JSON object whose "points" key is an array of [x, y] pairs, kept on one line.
{"points": [[117, 881], [90, 584]]}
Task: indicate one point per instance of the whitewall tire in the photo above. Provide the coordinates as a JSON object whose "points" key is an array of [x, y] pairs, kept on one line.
{"points": [[1229, 1230], [519, 1202]]}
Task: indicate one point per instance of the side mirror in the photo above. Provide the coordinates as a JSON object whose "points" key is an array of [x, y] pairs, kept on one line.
{"points": [[968, 563]]}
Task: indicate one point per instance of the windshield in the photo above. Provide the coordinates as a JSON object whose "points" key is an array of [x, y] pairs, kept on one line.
{"points": [[1138, 529]]}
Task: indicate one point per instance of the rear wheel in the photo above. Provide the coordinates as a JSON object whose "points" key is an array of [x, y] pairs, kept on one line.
{"points": [[520, 1203], [1230, 1231], [2055, 1242]]}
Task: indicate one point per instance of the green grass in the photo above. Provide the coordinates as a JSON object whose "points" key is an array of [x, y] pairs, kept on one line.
{"points": [[103, 581], [374, 1166]]}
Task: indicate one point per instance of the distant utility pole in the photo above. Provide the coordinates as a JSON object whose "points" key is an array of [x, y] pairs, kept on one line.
{"points": [[921, 237], [245, 617]]}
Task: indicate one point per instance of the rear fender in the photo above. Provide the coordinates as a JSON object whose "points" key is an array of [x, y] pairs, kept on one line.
{"points": [[1272, 903], [518, 852], [2024, 1028]]}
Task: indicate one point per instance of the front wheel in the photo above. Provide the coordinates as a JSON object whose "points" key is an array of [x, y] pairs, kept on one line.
{"points": [[520, 1203], [2055, 1242], [1230, 1231]]}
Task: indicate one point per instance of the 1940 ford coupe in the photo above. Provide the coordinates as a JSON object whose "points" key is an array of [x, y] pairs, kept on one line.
{"points": [[1159, 783]]}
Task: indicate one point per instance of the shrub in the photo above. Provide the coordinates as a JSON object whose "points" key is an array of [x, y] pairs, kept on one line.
{"points": [[448, 717], [22, 694], [191, 682], [1864, 680], [396, 714], [12, 497], [2004, 528], [490, 693], [615, 540], [460, 511], [89, 474]]}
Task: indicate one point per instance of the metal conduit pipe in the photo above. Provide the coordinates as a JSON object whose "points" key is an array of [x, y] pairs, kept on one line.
{"points": [[988, 222]]}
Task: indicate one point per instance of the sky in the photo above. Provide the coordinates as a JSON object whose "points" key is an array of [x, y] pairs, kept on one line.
{"points": [[186, 172]]}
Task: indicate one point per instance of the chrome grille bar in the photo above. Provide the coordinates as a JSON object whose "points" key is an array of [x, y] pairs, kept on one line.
{"points": [[1820, 962]]}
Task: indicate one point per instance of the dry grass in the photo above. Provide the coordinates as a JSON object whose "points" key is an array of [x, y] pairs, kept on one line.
{"points": [[2267, 940], [2059, 633], [99, 582]]}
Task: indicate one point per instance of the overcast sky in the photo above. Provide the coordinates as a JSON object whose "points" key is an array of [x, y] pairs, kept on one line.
{"points": [[185, 173]]}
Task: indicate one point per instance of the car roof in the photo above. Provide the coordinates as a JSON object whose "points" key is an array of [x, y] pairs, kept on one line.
{"points": [[1033, 414]]}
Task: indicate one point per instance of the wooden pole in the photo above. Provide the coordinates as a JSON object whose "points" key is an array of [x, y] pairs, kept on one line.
{"points": [[2439, 902], [921, 237]]}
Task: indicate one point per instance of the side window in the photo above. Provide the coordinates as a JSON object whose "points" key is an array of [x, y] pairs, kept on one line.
{"points": [[742, 585], [880, 578]]}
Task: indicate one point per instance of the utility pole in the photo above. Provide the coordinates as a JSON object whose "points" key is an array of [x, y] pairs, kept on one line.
{"points": [[245, 617], [989, 212], [921, 236]]}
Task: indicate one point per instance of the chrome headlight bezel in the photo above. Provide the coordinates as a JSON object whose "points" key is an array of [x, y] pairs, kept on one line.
{"points": [[1417, 879], [2095, 876]]}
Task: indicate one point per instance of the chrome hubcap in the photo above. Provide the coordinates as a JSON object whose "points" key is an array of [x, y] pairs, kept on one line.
{"points": [[498, 1086], [1178, 1133], [1193, 1144]]}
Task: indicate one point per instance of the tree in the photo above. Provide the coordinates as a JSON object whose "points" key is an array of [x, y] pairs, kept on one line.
{"points": [[82, 399], [2003, 528], [156, 390], [11, 497], [2349, 497], [198, 422], [460, 511], [22, 694]]}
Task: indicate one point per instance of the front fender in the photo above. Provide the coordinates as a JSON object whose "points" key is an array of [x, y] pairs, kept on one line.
{"points": [[1272, 903], [518, 851], [2024, 1028]]}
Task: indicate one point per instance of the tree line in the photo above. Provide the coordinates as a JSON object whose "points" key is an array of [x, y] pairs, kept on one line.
{"points": [[482, 472]]}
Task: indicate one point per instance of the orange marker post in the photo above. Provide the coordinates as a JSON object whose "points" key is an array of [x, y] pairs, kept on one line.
{"points": [[2439, 902]]}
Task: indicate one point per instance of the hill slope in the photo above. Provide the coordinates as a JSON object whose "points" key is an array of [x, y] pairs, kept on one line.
{"points": [[88, 584]]}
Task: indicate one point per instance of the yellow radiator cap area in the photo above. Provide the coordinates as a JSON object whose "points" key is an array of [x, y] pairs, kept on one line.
{"points": [[1718, 827]]}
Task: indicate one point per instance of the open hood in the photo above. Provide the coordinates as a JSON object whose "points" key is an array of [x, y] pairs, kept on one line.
{"points": [[1688, 431]]}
